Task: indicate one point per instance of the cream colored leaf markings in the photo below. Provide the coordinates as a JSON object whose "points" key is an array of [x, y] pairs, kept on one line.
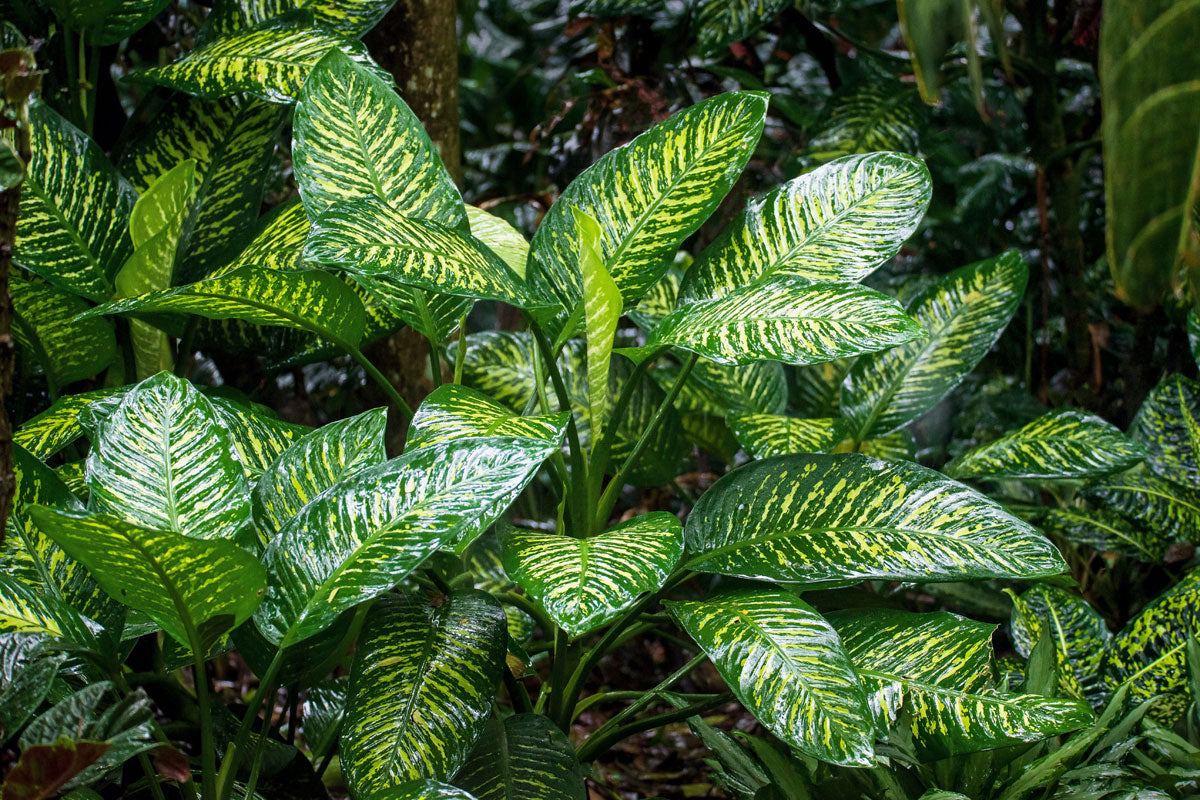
{"points": [[59, 425], [1168, 509], [658, 301], [766, 435], [500, 237], [836, 223], [500, 364], [455, 412], [584, 583], [867, 117], [1166, 424], [523, 757], [786, 664], [601, 311], [811, 518], [258, 437], [721, 22], [45, 329], [347, 17], [1079, 633], [1106, 530], [790, 319], [421, 688]]}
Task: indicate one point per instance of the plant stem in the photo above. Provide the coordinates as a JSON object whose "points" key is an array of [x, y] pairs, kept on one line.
{"points": [[578, 482], [461, 357], [379, 378], [266, 688], [594, 745], [435, 364], [516, 692], [602, 448], [208, 752], [93, 79]]}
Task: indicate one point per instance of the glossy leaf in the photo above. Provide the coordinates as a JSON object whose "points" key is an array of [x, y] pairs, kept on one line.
{"points": [[787, 318], [24, 609], [601, 312], [938, 667], [500, 237], [363, 535], [1166, 508], [59, 425], [1079, 634], [1105, 531], [500, 365], [183, 584], [258, 435], [1061, 445], [867, 117], [457, 412], [423, 682], [583, 584], [756, 388], [658, 301], [895, 446], [815, 518], [1168, 426], [27, 668], [721, 22], [73, 226], [964, 314], [647, 196], [106, 21], [766, 435], [347, 17], [45, 769], [787, 667], [45, 329], [423, 790], [524, 757], [836, 223]]}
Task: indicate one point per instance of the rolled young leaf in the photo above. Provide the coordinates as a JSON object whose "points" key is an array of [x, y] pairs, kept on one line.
{"points": [[813, 518], [601, 312], [523, 757], [787, 667]]}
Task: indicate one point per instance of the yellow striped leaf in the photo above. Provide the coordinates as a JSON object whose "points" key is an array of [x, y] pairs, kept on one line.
{"points": [[837, 223], [647, 196], [457, 412], [814, 390], [423, 790], [28, 668], [760, 387], [895, 446], [658, 301], [500, 237], [1079, 634], [867, 117], [1168, 425], [787, 318], [362, 536], [423, 682], [1105, 531], [73, 226], [938, 667], [1167, 508], [601, 312], [46, 331], [278, 243], [964, 313], [766, 435], [26, 610], [106, 21], [583, 584], [710, 434], [259, 436], [1061, 445], [183, 584], [720, 23], [347, 17], [500, 365], [271, 61], [524, 757], [787, 667], [813, 518]]}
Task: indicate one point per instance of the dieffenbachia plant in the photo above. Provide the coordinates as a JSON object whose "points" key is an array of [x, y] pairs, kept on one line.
{"points": [[442, 610]]}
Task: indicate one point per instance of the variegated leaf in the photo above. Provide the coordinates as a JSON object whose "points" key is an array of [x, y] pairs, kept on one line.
{"points": [[814, 390], [347, 17], [648, 196], [658, 301], [231, 140], [106, 21], [523, 757], [28, 667], [277, 243], [183, 584], [363, 535], [45, 329], [788, 318], [59, 425], [837, 223], [500, 237], [583, 584], [73, 226], [423, 790], [787, 667], [815, 518], [315, 462], [710, 434], [500, 365], [23, 609], [258, 435], [457, 412], [163, 460], [431, 314], [1079, 634], [1170, 509], [1061, 445], [964, 312], [895, 446], [867, 117], [601, 311], [1168, 425], [766, 435], [938, 666], [1105, 531], [323, 713], [720, 23], [756, 388], [271, 61], [424, 679]]}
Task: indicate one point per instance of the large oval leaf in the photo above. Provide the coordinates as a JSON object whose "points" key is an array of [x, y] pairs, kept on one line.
{"points": [[1167, 425], [524, 757], [259, 436], [423, 790], [648, 196], [347, 17], [787, 666], [817, 518], [1061, 445], [766, 435], [453, 411], [424, 679], [45, 328], [721, 22], [836, 223], [500, 365], [788, 318], [582, 584], [938, 666], [1168, 509], [1079, 633], [363, 535], [964, 313]]}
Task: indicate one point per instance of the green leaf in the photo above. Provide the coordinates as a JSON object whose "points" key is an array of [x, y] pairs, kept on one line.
{"points": [[1080, 635], [347, 17], [44, 327], [1061, 445], [1168, 508], [500, 365], [964, 312], [867, 117], [423, 790], [787, 318], [766, 435], [1167, 425], [27, 668], [73, 226], [106, 21], [525, 757], [647, 196], [720, 23], [787, 667], [362, 536], [162, 460], [500, 237], [776, 520], [1150, 185], [270, 61], [315, 462], [184, 584], [583, 584], [424, 679], [756, 388], [938, 668], [258, 435], [231, 140], [23, 609], [456, 412], [658, 301], [837, 223], [59, 425], [1105, 531], [601, 312], [895, 446]]}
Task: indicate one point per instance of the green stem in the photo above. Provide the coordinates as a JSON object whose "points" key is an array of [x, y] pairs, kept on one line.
{"points": [[435, 363], [266, 688], [72, 66], [208, 752], [516, 692], [566, 658], [93, 79], [602, 448], [184, 355], [461, 357], [578, 482], [379, 378]]}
